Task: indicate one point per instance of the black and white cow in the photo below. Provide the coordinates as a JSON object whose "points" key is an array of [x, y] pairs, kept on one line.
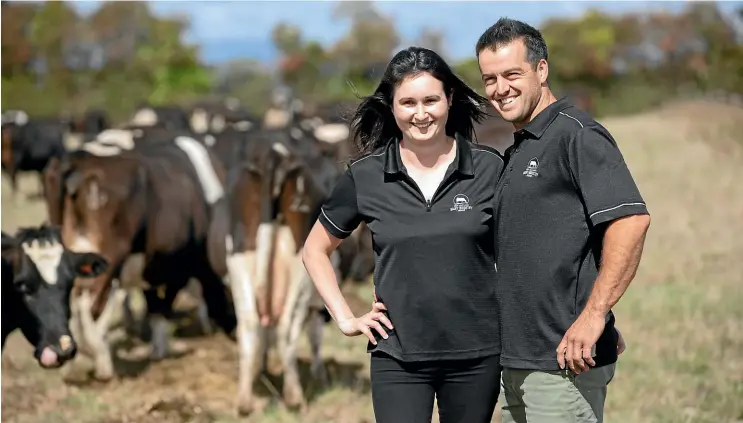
{"points": [[29, 144], [37, 277], [92, 122], [210, 117]]}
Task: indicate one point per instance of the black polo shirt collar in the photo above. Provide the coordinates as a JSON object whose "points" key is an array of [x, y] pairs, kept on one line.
{"points": [[462, 162], [544, 119]]}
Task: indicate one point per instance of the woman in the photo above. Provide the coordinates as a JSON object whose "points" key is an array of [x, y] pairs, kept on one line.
{"points": [[426, 193]]}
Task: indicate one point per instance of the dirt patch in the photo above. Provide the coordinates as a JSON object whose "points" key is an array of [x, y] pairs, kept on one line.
{"points": [[198, 387]]}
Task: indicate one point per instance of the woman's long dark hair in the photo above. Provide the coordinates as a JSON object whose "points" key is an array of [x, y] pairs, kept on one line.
{"points": [[373, 123]]}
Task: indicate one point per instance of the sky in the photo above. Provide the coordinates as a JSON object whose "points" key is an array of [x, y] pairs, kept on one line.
{"points": [[237, 29]]}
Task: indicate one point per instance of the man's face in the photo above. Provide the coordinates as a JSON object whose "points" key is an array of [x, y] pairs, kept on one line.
{"points": [[512, 85]]}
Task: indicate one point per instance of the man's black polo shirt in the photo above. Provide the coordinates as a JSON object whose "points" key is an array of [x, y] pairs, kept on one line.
{"points": [[564, 179], [435, 261]]}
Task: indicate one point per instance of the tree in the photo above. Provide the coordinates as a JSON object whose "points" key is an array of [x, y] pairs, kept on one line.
{"points": [[365, 51], [17, 51], [119, 27], [287, 38], [431, 39], [469, 71], [355, 11], [116, 58], [246, 80]]}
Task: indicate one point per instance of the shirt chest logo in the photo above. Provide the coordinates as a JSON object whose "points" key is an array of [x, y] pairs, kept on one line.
{"points": [[461, 203], [531, 168]]}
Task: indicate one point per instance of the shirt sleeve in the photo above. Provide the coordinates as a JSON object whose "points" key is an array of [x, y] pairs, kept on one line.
{"points": [[340, 214], [602, 177]]}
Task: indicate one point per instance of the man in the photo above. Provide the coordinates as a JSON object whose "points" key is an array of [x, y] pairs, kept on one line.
{"points": [[570, 231]]}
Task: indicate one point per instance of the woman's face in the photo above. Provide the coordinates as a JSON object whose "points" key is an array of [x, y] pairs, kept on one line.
{"points": [[421, 108]]}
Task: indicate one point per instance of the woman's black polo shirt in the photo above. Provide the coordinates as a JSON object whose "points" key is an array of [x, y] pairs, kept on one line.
{"points": [[434, 262]]}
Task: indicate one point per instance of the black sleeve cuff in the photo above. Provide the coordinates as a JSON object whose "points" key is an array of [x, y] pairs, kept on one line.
{"points": [[620, 210], [332, 227]]}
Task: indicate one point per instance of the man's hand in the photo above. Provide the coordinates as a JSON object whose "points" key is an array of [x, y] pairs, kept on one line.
{"points": [[575, 347], [621, 345]]}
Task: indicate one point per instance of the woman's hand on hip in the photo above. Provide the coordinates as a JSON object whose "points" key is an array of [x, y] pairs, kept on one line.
{"points": [[372, 320]]}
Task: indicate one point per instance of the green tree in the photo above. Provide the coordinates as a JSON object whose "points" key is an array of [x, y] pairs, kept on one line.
{"points": [[287, 38], [364, 52], [469, 71], [17, 50], [248, 81]]}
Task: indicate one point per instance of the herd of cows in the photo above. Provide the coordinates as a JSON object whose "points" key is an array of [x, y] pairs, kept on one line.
{"points": [[211, 193]]}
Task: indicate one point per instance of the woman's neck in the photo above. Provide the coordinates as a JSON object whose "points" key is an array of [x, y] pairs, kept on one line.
{"points": [[429, 154]]}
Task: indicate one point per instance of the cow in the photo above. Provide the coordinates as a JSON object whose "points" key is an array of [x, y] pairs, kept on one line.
{"points": [[275, 192], [167, 117], [29, 144], [91, 122], [154, 200], [216, 117], [357, 255], [37, 276], [326, 125], [19, 117]]}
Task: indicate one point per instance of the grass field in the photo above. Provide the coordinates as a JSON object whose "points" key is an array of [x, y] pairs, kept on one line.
{"points": [[682, 317]]}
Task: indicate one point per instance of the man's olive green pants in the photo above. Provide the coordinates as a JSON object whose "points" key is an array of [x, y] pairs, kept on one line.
{"points": [[532, 396]]}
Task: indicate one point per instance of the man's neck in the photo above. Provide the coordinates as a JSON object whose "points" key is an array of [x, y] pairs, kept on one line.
{"points": [[545, 100]]}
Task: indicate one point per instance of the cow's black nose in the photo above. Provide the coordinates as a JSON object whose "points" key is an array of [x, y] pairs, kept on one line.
{"points": [[65, 348]]}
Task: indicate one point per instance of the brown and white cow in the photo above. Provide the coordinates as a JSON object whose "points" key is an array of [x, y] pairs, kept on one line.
{"points": [[274, 198], [157, 200]]}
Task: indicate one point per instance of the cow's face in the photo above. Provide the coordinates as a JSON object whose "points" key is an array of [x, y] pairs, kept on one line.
{"points": [[44, 272], [94, 204]]}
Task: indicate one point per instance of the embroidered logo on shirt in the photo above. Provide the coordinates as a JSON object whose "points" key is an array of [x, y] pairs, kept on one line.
{"points": [[461, 203], [531, 168]]}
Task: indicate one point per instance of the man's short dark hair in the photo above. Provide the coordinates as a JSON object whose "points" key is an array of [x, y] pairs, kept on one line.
{"points": [[507, 30]]}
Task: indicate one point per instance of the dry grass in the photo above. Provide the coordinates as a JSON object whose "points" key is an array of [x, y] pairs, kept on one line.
{"points": [[682, 317]]}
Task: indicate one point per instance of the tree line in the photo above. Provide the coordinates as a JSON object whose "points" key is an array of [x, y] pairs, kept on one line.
{"points": [[122, 55]]}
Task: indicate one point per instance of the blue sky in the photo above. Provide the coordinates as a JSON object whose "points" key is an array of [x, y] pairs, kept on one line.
{"points": [[235, 29]]}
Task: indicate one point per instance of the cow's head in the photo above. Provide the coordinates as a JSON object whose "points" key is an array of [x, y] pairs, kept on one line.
{"points": [[43, 272], [96, 191]]}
